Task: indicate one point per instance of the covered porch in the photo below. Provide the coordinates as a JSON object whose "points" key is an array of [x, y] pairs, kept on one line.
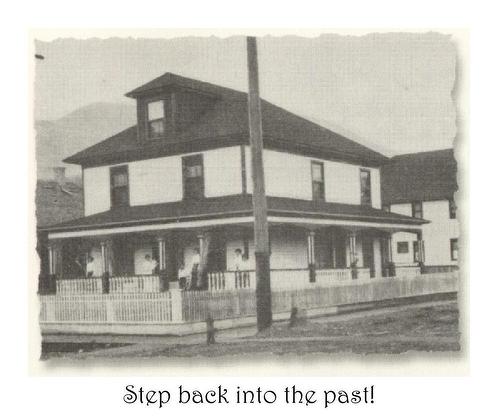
{"points": [[304, 253]]}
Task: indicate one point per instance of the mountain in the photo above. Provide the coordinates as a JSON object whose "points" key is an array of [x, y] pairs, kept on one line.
{"points": [[58, 139]]}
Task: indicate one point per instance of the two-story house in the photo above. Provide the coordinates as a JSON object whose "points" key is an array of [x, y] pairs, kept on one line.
{"points": [[423, 185], [175, 191]]}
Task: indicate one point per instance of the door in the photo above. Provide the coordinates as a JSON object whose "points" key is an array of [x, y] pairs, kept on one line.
{"points": [[368, 258]]}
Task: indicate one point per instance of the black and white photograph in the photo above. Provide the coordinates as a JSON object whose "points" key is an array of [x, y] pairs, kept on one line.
{"points": [[209, 198]]}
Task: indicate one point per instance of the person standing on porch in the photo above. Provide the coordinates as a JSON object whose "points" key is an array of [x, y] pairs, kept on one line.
{"points": [[238, 259], [90, 267], [195, 267], [150, 264]]}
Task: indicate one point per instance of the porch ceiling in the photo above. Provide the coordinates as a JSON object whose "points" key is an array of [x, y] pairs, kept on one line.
{"points": [[235, 209]]}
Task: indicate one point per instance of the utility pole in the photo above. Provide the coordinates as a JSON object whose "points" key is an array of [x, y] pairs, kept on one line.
{"points": [[261, 231]]}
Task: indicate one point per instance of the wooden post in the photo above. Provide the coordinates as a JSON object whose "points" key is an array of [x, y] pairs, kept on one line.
{"points": [[261, 231], [311, 257], [421, 252], [161, 263], [105, 266], [352, 255]]}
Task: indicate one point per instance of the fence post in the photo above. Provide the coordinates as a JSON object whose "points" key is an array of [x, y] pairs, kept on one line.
{"points": [[110, 311], [176, 304]]}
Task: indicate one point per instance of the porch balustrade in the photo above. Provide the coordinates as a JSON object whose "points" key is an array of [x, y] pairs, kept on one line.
{"points": [[79, 286], [231, 280], [117, 285], [134, 284], [281, 279]]}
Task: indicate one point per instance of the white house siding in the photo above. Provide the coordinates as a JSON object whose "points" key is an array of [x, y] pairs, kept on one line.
{"points": [[222, 171], [342, 183], [159, 180], [436, 234], [289, 175], [96, 188], [156, 180], [376, 193]]}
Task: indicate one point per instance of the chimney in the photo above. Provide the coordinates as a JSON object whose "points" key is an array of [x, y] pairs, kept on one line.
{"points": [[60, 175]]}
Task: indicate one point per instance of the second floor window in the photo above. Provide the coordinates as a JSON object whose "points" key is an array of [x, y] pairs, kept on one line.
{"points": [[119, 186], [318, 181], [192, 177], [156, 119], [416, 210], [452, 208], [366, 187]]}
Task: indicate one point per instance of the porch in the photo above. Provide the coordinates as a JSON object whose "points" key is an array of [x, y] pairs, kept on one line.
{"points": [[219, 259]]}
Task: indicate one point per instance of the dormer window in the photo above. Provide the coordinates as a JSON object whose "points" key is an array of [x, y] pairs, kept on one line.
{"points": [[156, 119]]}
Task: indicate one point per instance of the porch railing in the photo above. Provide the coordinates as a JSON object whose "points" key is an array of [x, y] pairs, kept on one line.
{"points": [[79, 286], [134, 284], [231, 280], [117, 284]]}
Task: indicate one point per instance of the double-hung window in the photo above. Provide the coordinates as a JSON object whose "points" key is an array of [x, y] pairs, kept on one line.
{"points": [[417, 210], [318, 181], [119, 186], [366, 187], [192, 176], [156, 119]]}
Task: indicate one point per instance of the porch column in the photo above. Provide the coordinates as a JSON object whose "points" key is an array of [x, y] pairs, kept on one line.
{"points": [[204, 242], [311, 258], [421, 251], [161, 263], [353, 259], [105, 262], [54, 253], [388, 263]]}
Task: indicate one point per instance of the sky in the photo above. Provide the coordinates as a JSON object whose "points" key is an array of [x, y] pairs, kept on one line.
{"points": [[391, 91]]}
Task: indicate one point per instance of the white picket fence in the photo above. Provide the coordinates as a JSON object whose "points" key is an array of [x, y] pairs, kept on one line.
{"points": [[177, 306], [107, 308]]}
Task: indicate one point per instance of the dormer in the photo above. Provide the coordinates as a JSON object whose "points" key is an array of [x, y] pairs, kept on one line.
{"points": [[167, 106]]}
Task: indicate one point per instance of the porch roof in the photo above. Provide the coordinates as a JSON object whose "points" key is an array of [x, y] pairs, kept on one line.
{"points": [[230, 206]]}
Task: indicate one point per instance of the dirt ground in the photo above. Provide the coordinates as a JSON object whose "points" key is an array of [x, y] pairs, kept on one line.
{"points": [[429, 327]]}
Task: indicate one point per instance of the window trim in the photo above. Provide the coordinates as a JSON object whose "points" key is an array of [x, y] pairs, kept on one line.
{"points": [[369, 172], [113, 171], [313, 181]]}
